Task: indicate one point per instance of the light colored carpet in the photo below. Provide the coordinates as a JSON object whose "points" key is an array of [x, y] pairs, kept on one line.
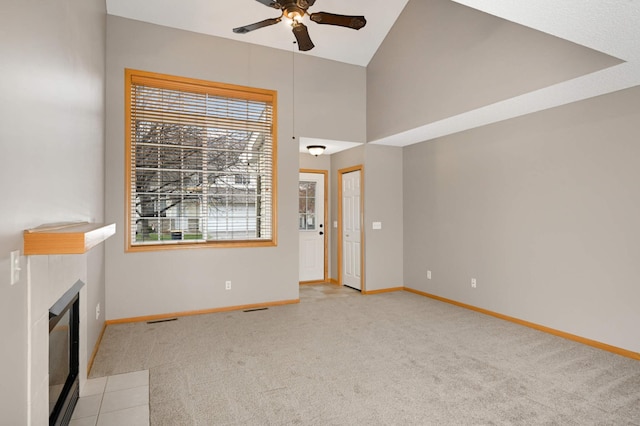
{"points": [[340, 358]]}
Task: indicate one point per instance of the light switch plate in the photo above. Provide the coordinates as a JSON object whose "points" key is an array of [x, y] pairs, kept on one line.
{"points": [[377, 225], [15, 266], [335, 223]]}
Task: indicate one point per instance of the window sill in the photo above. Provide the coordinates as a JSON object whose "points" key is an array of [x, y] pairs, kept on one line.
{"points": [[185, 244]]}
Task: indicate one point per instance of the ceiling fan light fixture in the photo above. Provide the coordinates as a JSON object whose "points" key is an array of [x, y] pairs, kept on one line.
{"points": [[316, 150], [294, 13]]}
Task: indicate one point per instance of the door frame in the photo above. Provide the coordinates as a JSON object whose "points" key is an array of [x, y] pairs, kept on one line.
{"points": [[326, 226], [341, 172]]}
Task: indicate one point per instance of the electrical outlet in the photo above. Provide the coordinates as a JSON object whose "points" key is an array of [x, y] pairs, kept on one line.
{"points": [[15, 266], [428, 275], [227, 285], [473, 283], [97, 311]]}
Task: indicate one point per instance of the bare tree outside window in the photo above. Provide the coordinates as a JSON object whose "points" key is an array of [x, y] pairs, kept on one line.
{"points": [[201, 166]]}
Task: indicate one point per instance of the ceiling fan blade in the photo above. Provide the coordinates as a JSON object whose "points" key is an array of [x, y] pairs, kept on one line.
{"points": [[306, 3], [270, 3], [355, 22], [302, 36], [257, 25]]}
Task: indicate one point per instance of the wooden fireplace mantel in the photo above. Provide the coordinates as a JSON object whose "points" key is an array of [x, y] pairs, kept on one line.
{"points": [[66, 238]]}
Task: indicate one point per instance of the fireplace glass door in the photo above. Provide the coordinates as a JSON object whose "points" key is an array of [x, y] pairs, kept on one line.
{"points": [[59, 359], [64, 333]]}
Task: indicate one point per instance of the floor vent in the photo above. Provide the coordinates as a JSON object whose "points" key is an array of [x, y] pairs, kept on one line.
{"points": [[162, 320]]}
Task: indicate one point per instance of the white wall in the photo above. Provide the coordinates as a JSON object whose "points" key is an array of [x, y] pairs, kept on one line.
{"points": [[330, 104], [51, 166]]}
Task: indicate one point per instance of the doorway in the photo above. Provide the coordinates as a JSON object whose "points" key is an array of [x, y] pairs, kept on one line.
{"points": [[350, 232], [312, 219]]}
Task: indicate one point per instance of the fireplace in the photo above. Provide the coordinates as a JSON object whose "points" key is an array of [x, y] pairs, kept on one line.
{"points": [[64, 322]]}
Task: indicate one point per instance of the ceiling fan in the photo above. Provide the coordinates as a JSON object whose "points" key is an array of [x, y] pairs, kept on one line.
{"points": [[295, 11]]}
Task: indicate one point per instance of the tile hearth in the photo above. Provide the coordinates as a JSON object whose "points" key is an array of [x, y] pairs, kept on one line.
{"points": [[122, 399]]}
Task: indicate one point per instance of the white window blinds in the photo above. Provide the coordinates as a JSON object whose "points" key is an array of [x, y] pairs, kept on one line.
{"points": [[201, 166]]}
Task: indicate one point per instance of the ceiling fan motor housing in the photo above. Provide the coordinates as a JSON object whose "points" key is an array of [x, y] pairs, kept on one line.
{"points": [[286, 4]]}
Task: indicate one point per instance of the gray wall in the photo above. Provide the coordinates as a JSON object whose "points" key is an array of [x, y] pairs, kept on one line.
{"points": [[51, 166], [542, 210], [383, 203], [539, 209], [441, 59], [321, 162], [326, 92]]}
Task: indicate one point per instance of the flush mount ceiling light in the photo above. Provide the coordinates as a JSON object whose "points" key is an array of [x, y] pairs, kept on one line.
{"points": [[295, 11], [316, 150]]}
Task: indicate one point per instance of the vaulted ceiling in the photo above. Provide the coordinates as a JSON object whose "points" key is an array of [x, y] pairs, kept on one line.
{"points": [[610, 27], [219, 17]]}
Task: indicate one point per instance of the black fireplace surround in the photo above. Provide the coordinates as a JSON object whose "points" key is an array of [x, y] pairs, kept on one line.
{"points": [[64, 336]]}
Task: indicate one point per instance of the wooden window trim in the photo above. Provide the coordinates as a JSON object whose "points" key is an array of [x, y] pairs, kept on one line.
{"points": [[206, 87]]}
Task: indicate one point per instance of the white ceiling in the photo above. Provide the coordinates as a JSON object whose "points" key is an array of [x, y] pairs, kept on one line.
{"points": [[608, 26], [219, 17]]}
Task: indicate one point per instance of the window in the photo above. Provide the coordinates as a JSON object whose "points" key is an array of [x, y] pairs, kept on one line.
{"points": [[307, 206], [200, 163]]}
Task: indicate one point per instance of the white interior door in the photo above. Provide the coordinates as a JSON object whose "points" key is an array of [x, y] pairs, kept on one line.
{"points": [[311, 226], [351, 230]]}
